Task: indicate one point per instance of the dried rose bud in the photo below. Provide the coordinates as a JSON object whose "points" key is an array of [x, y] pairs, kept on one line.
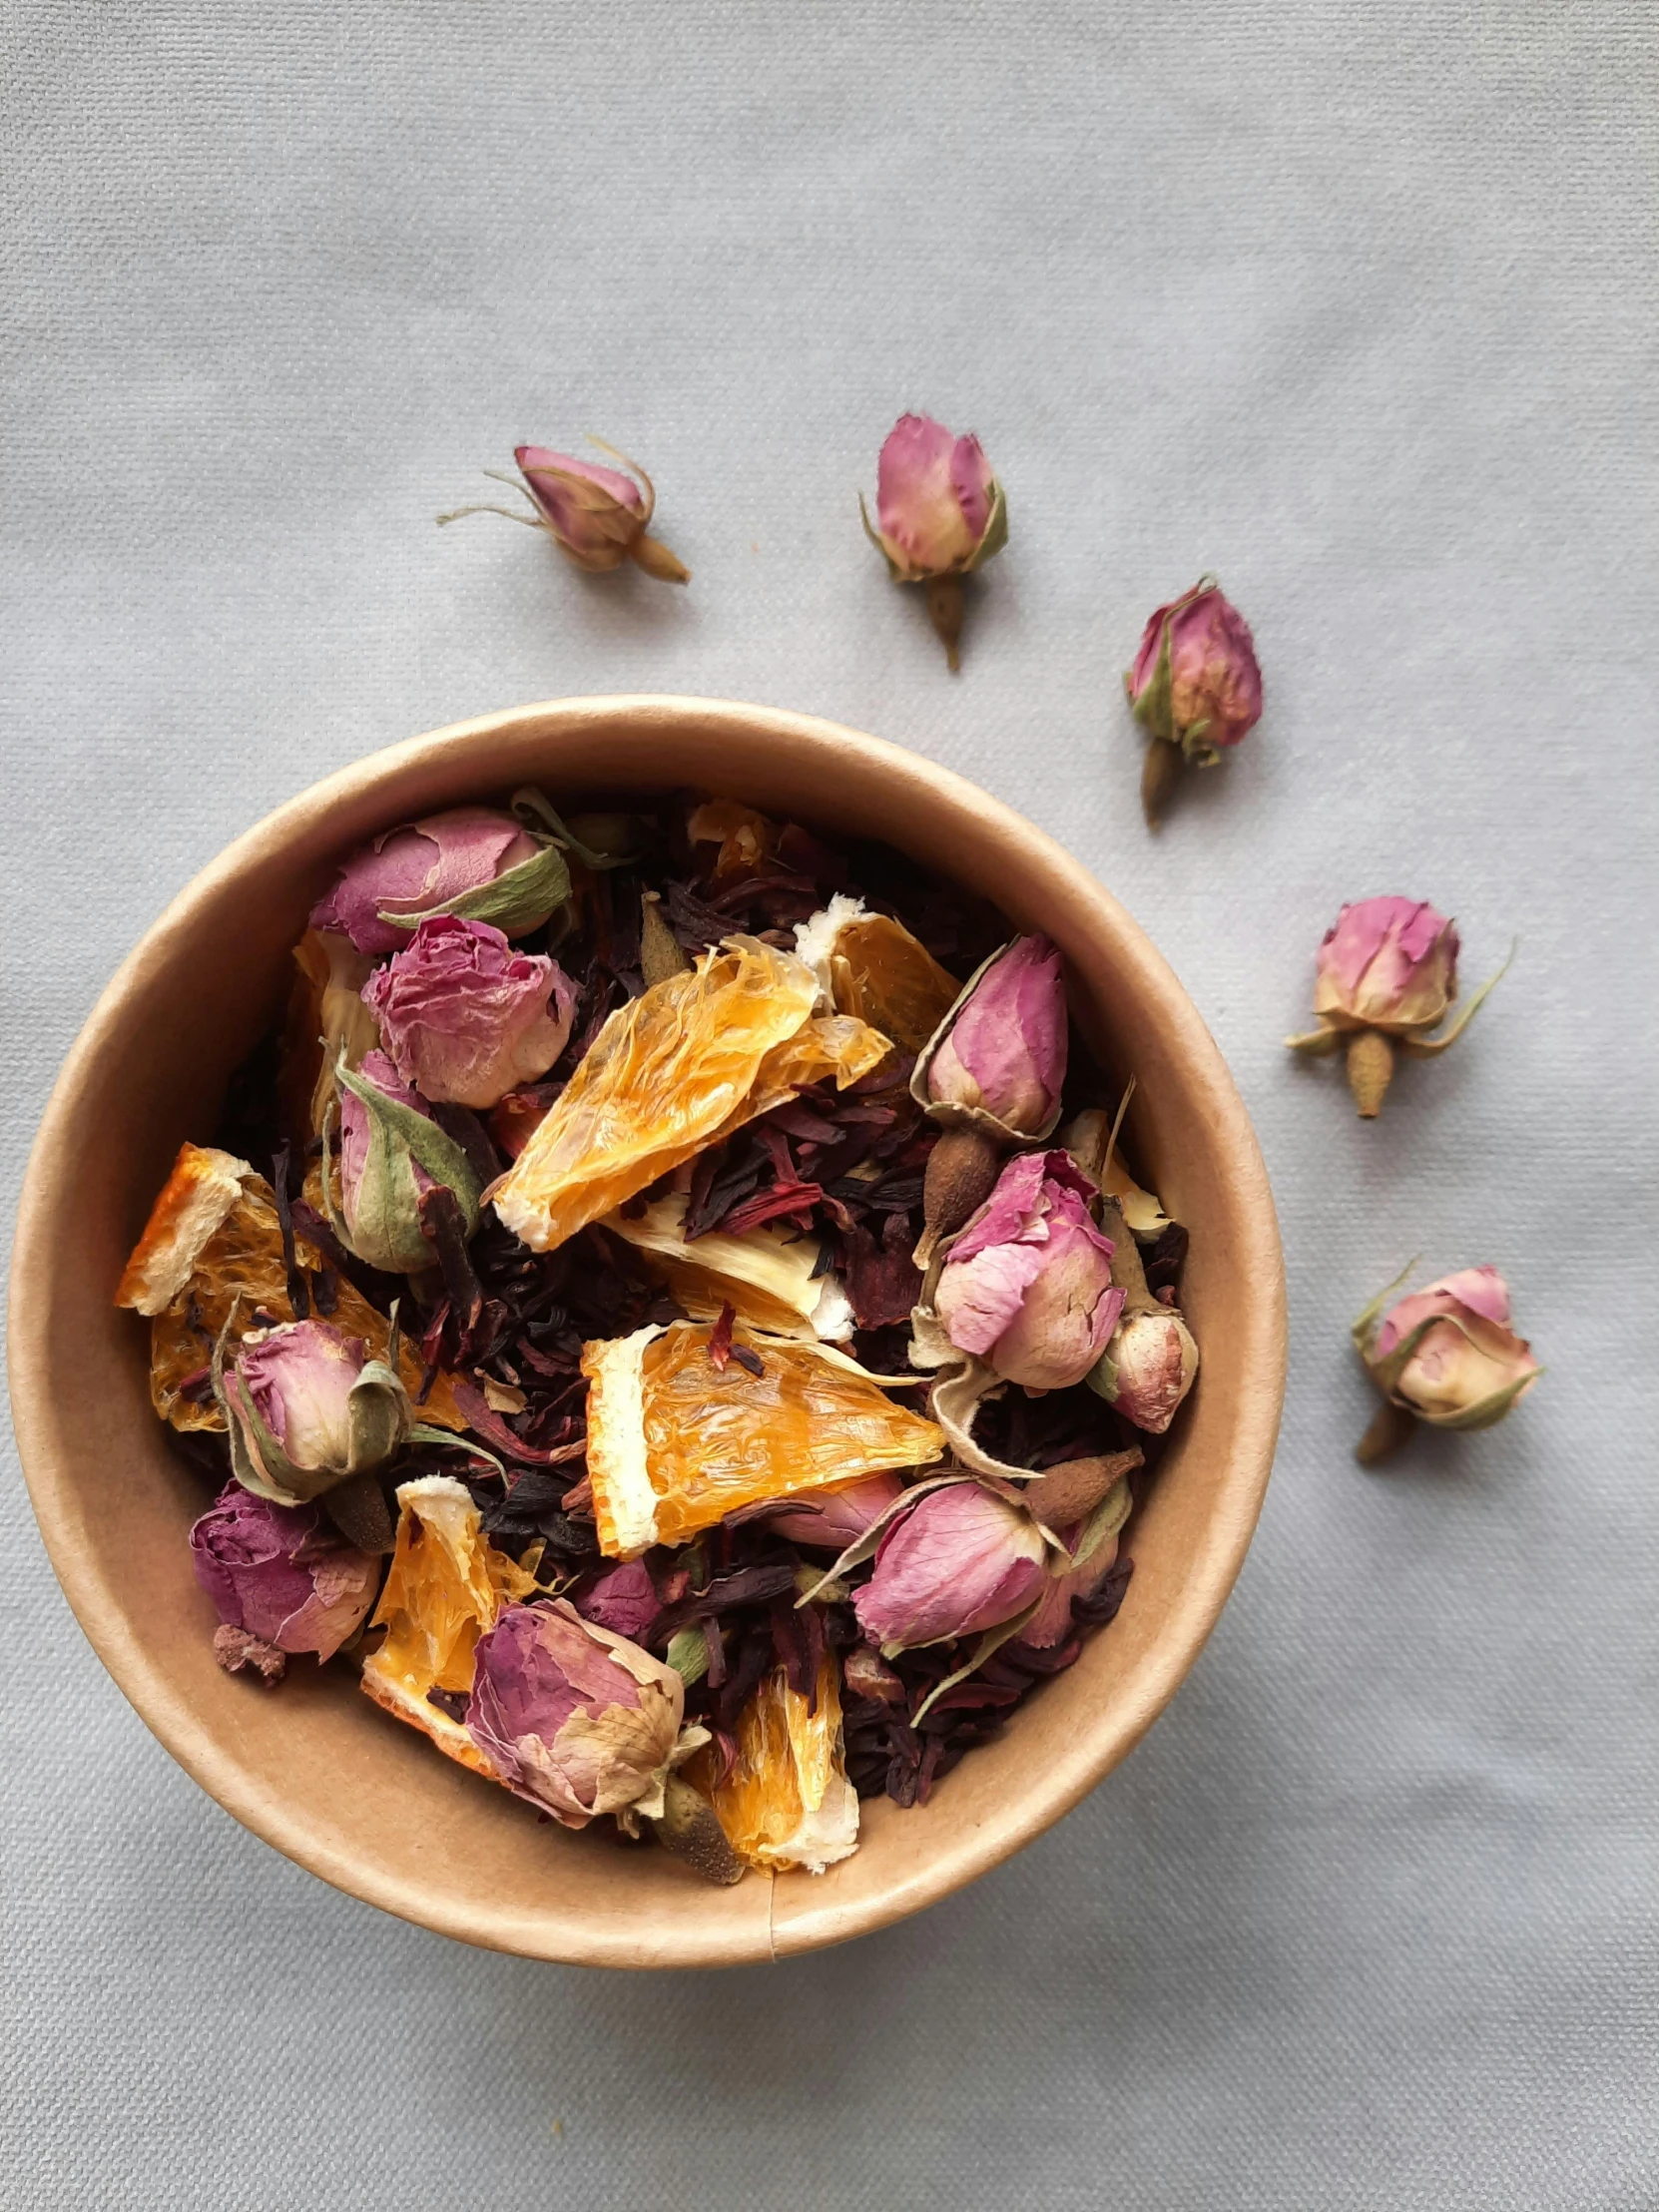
{"points": [[282, 1573], [575, 1719], [596, 516], [305, 1407], [1387, 973], [1446, 1355], [392, 1155], [465, 1019], [1028, 1285], [830, 1520], [473, 862], [1148, 1368], [625, 1600], [1195, 687], [998, 1058], [959, 1560], [942, 515]]}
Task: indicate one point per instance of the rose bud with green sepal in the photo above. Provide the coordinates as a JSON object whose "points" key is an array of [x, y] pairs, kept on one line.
{"points": [[942, 514], [596, 516], [282, 1573], [577, 1719], [1195, 687], [464, 1018], [1386, 974], [306, 1408], [391, 1154], [1446, 1355], [474, 861], [1028, 1285]]}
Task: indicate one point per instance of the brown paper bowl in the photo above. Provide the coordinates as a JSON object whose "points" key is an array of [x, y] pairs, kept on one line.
{"points": [[314, 1767]]}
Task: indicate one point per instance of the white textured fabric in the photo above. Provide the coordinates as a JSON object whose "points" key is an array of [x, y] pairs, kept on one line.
{"points": [[1350, 301]]}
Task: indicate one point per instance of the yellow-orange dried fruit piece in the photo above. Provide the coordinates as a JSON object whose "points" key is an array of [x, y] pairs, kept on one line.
{"points": [[786, 1801], [212, 1237], [747, 839], [674, 1071], [767, 1276], [871, 966], [675, 1443], [444, 1588]]}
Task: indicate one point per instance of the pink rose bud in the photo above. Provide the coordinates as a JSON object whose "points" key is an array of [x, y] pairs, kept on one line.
{"points": [[1387, 971], [1028, 1285], [1195, 686], [1002, 1047], [596, 516], [392, 1155], [575, 1719], [473, 860], [959, 1560], [1446, 1355], [305, 1408], [831, 1521], [942, 514], [465, 1019], [282, 1573], [1148, 1368], [623, 1600], [1386, 963]]}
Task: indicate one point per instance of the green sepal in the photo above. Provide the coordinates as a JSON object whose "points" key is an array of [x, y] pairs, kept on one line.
{"points": [[388, 1230], [1486, 1411], [378, 1418], [533, 807], [996, 531], [988, 1646], [688, 1654], [1425, 1048], [517, 901], [1364, 1326], [424, 1434], [1315, 1043]]}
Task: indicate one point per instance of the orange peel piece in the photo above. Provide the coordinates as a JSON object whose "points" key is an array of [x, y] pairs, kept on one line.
{"points": [[674, 1071], [786, 1801], [766, 1275], [870, 967], [212, 1238], [445, 1587], [675, 1443]]}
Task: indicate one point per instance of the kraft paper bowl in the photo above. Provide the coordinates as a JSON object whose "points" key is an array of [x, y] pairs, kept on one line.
{"points": [[313, 1767]]}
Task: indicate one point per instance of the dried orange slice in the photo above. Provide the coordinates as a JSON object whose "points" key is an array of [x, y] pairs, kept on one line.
{"points": [[786, 1801], [445, 1587], [870, 965], [746, 838], [767, 1276], [677, 1069], [213, 1236], [675, 1443]]}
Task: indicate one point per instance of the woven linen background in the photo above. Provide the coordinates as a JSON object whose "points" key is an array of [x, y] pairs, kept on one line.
{"points": [[1350, 302]]}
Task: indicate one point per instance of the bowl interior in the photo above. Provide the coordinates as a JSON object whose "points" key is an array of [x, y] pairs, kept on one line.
{"points": [[315, 1769]]}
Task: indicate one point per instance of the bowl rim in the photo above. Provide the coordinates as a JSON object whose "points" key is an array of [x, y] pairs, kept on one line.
{"points": [[196, 1745]]}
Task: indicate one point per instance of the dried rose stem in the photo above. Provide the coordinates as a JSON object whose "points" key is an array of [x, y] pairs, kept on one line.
{"points": [[1391, 1426], [1161, 771], [944, 611], [1371, 1068]]}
